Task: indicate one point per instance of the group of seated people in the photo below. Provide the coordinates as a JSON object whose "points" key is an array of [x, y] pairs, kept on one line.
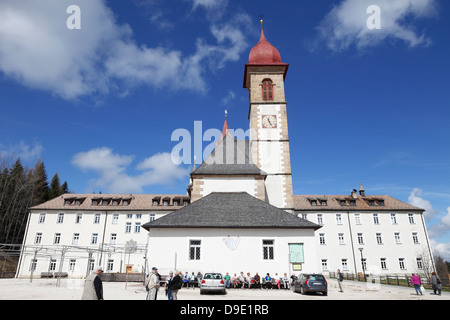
{"points": [[258, 282]]}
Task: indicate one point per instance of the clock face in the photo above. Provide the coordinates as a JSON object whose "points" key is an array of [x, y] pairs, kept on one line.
{"points": [[269, 121]]}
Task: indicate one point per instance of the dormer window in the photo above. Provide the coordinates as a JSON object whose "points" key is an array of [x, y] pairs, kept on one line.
{"points": [[314, 202], [165, 203], [175, 203], [267, 90], [352, 203], [94, 202], [155, 203], [323, 202], [125, 202]]}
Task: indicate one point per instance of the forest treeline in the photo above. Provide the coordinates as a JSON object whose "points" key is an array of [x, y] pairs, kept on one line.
{"points": [[20, 189]]}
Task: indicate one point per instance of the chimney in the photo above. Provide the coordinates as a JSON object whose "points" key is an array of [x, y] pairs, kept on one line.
{"points": [[362, 192], [354, 194]]}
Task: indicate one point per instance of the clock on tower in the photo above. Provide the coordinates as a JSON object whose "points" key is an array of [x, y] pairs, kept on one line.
{"points": [[264, 78]]}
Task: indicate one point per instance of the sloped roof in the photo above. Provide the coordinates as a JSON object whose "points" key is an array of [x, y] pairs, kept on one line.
{"points": [[134, 202], [230, 157], [366, 203], [231, 210]]}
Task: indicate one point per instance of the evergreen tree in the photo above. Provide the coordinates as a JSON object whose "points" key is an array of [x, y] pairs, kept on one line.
{"points": [[55, 187], [65, 188], [40, 183]]}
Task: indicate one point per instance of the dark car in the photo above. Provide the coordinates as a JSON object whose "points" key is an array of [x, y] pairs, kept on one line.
{"points": [[311, 283]]}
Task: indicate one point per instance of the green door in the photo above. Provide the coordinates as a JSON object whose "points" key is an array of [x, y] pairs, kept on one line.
{"points": [[296, 253]]}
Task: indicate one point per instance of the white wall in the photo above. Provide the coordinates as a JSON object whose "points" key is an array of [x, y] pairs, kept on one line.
{"points": [[334, 252], [169, 250], [47, 250], [238, 184]]}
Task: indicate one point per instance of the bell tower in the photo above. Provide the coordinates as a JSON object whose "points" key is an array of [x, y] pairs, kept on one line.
{"points": [[264, 78]]}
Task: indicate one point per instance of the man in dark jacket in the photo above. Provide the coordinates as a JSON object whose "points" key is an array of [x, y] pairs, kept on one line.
{"points": [[93, 286], [175, 284]]}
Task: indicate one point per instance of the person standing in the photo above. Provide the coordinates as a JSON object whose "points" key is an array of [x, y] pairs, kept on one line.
{"points": [[227, 279], [436, 283], [340, 278], [169, 289], [415, 281], [153, 284], [93, 286], [176, 284]]}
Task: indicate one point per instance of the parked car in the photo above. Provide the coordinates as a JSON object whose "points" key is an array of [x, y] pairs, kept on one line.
{"points": [[212, 282], [311, 283]]}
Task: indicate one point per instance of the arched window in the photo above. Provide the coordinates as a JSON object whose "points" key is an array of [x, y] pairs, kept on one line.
{"points": [[267, 90]]}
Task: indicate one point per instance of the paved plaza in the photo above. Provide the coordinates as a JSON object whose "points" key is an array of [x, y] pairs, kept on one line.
{"points": [[69, 289]]}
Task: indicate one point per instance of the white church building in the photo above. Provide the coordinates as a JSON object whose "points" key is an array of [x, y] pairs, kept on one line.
{"points": [[239, 214]]}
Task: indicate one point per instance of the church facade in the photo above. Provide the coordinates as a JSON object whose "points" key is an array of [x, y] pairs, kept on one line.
{"points": [[240, 213]]}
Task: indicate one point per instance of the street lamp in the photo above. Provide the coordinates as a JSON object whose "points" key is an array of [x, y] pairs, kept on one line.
{"points": [[362, 263]]}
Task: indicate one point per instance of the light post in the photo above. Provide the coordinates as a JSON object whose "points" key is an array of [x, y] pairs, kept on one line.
{"points": [[362, 263]]}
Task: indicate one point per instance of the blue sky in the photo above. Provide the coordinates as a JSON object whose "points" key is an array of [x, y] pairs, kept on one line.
{"points": [[99, 104]]}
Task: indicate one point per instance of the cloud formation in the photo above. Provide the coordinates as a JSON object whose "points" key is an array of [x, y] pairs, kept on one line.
{"points": [[39, 51], [346, 24], [112, 168]]}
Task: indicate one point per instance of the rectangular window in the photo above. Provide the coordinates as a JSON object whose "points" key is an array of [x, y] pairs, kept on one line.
{"points": [[78, 218], [152, 217], [76, 238], [397, 238], [113, 238], [411, 218], [379, 240], [91, 265], [94, 239], [360, 238], [322, 238], [52, 266], [128, 227], [194, 249], [415, 238], [97, 218], [375, 218], [394, 218], [344, 265], [401, 262], [60, 218], [138, 215], [419, 264], [42, 218], [38, 238], [341, 238], [320, 219], [129, 215], [72, 263], [57, 238], [33, 265], [115, 219], [110, 265], [357, 218], [324, 265], [338, 218], [268, 249], [137, 227], [383, 263]]}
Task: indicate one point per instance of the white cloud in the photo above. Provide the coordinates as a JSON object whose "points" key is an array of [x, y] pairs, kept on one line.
{"points": [[441, 248], [22, 151], [38, 51], [112, 168], [346, 24], [416, 199]]}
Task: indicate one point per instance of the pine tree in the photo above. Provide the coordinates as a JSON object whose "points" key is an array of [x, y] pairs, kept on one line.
{"points": [[40, 183], [65, 188], [55, 187]]}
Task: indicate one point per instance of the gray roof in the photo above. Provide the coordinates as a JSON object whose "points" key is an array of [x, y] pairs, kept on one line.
{"points": [[230, 210], [230, 157]]}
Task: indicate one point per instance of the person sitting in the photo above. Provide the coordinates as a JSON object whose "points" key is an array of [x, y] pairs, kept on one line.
{"points": [[268, 281], [235, 281], [257, 280], [276, 281], [248, 280]]}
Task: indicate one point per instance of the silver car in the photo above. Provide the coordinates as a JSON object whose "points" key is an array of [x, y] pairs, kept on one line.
{"points": [[212, 282]]}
